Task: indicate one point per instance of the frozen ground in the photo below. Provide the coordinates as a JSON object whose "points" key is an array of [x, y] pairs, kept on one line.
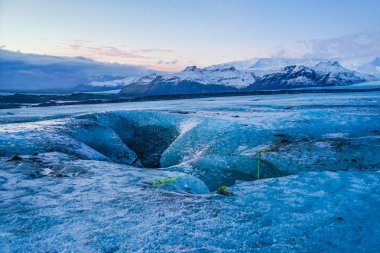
{"points": [[144, 176]]}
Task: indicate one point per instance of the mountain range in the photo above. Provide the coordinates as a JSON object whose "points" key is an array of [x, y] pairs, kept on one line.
{"points": [[227, 78]]}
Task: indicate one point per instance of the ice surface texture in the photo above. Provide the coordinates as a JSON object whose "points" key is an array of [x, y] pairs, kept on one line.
{"points": [[143, 176]]}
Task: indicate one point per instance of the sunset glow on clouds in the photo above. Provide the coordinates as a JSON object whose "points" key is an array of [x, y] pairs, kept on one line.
{"points": [[150, 57], [177, 34]]}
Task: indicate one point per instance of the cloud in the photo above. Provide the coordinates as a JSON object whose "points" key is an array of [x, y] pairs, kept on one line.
{"points": [[86, 46], [109, 51], [141, 56], [21, 71], [153, 50], [162, 62], [349, 46]]}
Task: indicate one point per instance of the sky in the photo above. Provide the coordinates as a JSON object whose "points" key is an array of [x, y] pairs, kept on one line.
{"points": [[172, 34]]}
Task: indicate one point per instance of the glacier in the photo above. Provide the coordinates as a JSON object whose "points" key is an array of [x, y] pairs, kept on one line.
{"points": [[144, 176]]}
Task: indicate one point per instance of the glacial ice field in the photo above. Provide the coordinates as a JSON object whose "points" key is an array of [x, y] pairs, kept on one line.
{"points": [[302, 172]]}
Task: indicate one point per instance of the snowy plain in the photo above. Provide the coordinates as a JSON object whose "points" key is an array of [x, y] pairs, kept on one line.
{"points": [[144, 176]]}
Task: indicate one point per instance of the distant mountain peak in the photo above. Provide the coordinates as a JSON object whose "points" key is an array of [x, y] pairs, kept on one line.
{"points": [[289, 68], [329, 63], [191, 68]]}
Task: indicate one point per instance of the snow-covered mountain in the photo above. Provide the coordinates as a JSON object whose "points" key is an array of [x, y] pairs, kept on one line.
{"points": [[327, 73], [194, 80], [226, 78], [264, 66], [118, 83]]}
